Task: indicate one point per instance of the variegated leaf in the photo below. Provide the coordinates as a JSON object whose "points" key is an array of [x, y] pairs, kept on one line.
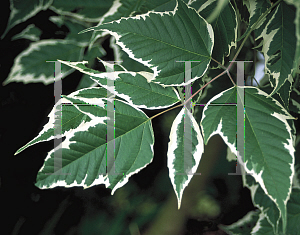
{"points": [[224, 26], [279, 43], [184, 151], [178, 36], [84, 151], [268, 151], [136, 88], [23, 10], [31, 65]]}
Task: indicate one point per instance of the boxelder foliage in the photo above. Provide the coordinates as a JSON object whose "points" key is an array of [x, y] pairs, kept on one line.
{"points": [[162, 48]]}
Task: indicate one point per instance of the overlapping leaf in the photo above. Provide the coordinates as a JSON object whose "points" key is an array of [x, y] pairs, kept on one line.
{"points": [[184, 151], [88, 10], [135, 88], [296, 3], [244, 225], [295, 101], [126, 8], [158, 5], [23, 10], [269, 151], [84, 151], [263, 202], [121, 8], [257, 223], [128, 63], [161, 40], [256, 8], [279, 43], [30, 32], [224, 26]]}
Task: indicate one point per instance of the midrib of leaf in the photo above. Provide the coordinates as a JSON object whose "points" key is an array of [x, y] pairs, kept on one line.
{"points": [[171, 45], [253, 132], [72, 118], [180, 48], [72, 162]]}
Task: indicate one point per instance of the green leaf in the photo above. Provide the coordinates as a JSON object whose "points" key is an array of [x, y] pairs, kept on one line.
{"points": [[293, 227], [23, 10], [279, 42], [136, 88], [30, 66], [87, 10], [184, 151], [30, 32], [224, 27], [90, 56], [84, 151], [269, 151], [181, 35]]}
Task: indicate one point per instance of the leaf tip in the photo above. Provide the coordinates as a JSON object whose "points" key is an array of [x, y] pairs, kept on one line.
{"points": [[17, 152]]}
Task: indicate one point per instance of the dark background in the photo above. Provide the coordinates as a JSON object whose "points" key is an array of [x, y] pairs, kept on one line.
{"points": [[29, 210]]}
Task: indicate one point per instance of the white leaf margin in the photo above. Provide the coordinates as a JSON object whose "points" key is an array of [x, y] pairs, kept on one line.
{"points": [[84, 126], [172, 146], [17, 68], [50, 124], [33, 12], [28, 34], [248, 218], [147, 63], [289, 146], [253, 188], [114, 76]]}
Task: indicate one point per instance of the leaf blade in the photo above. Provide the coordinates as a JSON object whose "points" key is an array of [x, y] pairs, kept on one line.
{"points": [[273, 173], [84, 150], [184, 151], [149, 37]]}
